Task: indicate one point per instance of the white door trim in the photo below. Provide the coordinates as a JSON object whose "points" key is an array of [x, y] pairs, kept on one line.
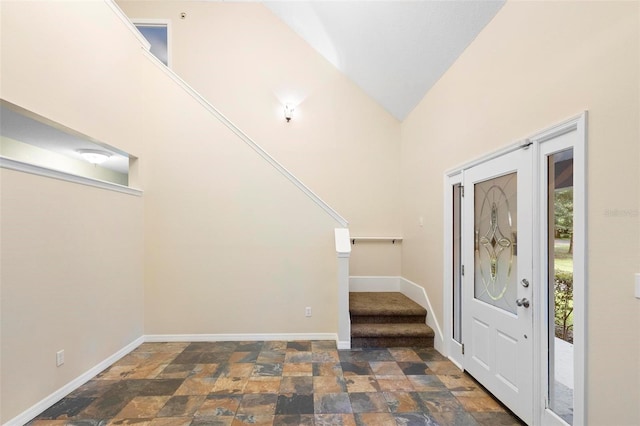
{"points": [[577, 123], [452, 349]]}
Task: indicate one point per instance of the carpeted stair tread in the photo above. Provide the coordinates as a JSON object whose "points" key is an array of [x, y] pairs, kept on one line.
{"points": [[383, 304], [387, 320], [391, 330]]}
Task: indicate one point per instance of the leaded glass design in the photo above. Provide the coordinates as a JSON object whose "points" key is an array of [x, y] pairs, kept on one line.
{"points": [[496, 241]]}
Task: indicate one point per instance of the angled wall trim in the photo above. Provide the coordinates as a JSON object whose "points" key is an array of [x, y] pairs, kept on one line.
{"points": [[251, 143], [116, 9], [224, 120]]}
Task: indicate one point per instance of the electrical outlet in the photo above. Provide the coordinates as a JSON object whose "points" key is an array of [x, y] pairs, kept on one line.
{"points": [[60, 358], [307, 311]]}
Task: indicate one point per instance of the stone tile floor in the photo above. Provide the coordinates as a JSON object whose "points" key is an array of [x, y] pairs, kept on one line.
{"points": [[278, 383]]}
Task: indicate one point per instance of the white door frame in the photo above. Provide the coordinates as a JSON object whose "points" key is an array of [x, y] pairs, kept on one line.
{"points": [[453, 350], [578, 126]]}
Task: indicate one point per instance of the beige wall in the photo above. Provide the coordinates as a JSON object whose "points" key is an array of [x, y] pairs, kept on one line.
{"points": [[71, 279], [227, 244], [375, 258], [72, 263], [231, 246], [340, 143], [220, 242], [534, 65]]}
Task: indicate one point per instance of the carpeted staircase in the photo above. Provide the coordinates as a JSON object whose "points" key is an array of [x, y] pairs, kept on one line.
{"points": [[387, 320]]}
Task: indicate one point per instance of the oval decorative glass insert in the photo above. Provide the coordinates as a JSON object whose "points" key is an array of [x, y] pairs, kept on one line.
{"points": [[495, 231]]}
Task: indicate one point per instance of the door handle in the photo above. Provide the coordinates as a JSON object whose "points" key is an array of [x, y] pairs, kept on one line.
{"points": [[523, 302]]}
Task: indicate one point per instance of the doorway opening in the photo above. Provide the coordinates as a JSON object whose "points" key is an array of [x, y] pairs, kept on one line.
{"points": [[543, 262]]}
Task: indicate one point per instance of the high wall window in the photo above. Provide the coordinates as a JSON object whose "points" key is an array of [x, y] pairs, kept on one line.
{"points": [[156, 32]]}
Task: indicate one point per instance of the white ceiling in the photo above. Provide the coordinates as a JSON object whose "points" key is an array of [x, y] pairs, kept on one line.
{"points": [[394, 50]]}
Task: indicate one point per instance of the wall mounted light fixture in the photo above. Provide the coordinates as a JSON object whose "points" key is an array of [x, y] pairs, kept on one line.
{"points": [[288, 112], [94, 156]]}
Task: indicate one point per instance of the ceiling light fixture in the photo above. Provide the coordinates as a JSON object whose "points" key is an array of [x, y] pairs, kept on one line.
{"points": [[288, 112], [94, 156]]}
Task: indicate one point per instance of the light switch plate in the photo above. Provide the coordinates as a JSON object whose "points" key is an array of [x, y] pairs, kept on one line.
{"points": [[638, 286]]}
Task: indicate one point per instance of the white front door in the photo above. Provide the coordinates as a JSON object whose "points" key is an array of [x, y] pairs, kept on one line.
{"points": [[498, 298]]}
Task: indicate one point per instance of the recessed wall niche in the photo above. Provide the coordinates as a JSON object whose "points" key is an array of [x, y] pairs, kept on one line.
{"points": [[39, 144]]}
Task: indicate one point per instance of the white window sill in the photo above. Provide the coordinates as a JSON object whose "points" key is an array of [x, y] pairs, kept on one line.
{"points": [[8, 163]]}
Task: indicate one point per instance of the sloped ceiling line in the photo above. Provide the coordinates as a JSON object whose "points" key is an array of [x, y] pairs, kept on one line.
{"points": [[394, 50]]}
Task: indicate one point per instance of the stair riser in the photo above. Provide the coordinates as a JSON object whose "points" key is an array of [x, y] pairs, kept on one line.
{"points": [[387, 319], [391, 342]]}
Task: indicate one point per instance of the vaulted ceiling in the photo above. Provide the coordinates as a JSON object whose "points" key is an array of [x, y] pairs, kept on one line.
{"points": [[394, 50]]}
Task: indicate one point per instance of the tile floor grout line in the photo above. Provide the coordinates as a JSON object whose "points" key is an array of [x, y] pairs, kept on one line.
{"points": [[278, 383]]}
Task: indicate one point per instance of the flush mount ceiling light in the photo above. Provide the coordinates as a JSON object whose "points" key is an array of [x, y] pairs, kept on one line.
{"points": [[94, 156]]}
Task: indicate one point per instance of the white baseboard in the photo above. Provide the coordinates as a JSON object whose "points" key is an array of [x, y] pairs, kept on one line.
{"points": [[239, 337], [410, 289], [419, 295], [344, 344], [56, 396]]}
